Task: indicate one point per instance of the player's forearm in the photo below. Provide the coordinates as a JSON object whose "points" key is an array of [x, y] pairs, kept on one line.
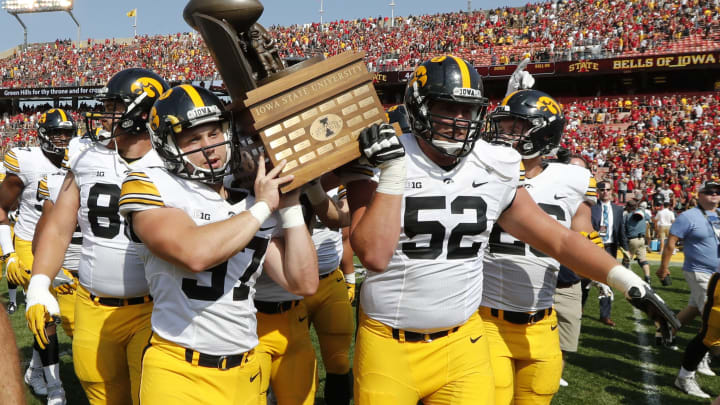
{"points": [[218, 242], [51, 245], [585, 258], [346, 262], [300, 266], [331, 215], [10, 383], [4, 219], [375, 231]]}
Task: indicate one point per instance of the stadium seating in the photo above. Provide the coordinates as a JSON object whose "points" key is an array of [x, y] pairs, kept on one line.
{"points": [[576, 29]]}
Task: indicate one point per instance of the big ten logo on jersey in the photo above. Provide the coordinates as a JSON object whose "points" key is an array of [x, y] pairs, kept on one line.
{"points": [[202, 215], [413, 184], [99, 173]]}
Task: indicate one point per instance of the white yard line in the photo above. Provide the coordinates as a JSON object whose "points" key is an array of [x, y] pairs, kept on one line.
{"points": [[648, 374]]}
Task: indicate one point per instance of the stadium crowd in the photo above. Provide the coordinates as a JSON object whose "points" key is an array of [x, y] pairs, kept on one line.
{"points": [[567, 30]]}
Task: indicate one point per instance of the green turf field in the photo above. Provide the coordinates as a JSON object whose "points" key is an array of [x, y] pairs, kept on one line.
{"points": [[608, 368]]}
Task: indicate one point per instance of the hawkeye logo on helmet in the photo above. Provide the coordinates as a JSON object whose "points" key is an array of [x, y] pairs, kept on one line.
{"points": [[201, 112], [467, 92]]}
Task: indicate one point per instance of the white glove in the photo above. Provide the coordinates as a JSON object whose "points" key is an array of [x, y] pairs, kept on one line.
{"points": [[41, 307], [520, 79], [604, 290], [380, 146]]}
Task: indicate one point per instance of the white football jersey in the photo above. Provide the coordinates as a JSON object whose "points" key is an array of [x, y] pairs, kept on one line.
{"points": [[328, 242], [211, 311], [49, 189], [109, 265], [518, 277], [434, 279], [30, 165]]}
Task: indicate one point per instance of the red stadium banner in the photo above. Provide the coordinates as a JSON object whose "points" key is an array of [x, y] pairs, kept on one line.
{"points": [[48, 92]]}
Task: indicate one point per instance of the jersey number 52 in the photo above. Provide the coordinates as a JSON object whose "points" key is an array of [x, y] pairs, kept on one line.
{"points": [[413, 226]]}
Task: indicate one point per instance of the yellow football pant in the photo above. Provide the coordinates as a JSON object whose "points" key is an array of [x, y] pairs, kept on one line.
{"points": [[67, 310], [107, 349], [526, 359], [168, 379], [287, 356], [23, 249], [453, 370], [331, 315], [711, 314]]}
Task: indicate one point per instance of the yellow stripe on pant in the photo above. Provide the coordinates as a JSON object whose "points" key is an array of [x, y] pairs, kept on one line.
{"points": [[107, 349], [332, 316], [285, 350], [526, 359], [452, 370], [169, 379]]}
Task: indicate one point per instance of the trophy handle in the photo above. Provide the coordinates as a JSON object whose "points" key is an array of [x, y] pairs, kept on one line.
{"points": [[233, 65]]}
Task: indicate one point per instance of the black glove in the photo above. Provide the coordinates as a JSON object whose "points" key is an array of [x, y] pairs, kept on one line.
{"points": [[379, 144], [656, 309]]}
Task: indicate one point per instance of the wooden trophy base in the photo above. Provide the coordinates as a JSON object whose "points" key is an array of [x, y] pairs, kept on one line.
{"points": [[312, 117]]}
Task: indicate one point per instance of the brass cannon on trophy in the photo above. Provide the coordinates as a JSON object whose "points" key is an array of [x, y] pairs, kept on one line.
{"points": [[309, 114]]}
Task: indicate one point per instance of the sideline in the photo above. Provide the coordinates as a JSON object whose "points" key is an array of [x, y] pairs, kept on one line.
{"points": [[646, 364]]}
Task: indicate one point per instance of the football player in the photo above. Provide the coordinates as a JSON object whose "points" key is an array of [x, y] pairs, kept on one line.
{"points": [[420, 334], [25, 168], [113, 305], [65, 283], [203, 345], [520, 281], [330, 310]]}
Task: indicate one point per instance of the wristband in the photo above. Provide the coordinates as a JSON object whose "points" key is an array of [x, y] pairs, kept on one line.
{"points": [[623, 279], [40, 281], [350, 278], [315, 193], [6, 240], [392, 177], [261, 211], [292, 216]]}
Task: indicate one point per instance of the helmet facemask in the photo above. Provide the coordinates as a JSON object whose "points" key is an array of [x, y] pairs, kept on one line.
{"points": [[55, 141], [522, 133], [179, 162], [446, 132], [113, 121], [55, 129]]}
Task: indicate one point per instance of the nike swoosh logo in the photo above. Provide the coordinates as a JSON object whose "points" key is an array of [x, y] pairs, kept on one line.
{"points": [[267, 229], [560, 197], [302, 319], [475, 340], [553, 327], [254, 377], [479, 184], [340, 279]]}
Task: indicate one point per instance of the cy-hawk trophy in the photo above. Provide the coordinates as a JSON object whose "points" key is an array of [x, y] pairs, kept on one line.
{"points": [[309, 114]]}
